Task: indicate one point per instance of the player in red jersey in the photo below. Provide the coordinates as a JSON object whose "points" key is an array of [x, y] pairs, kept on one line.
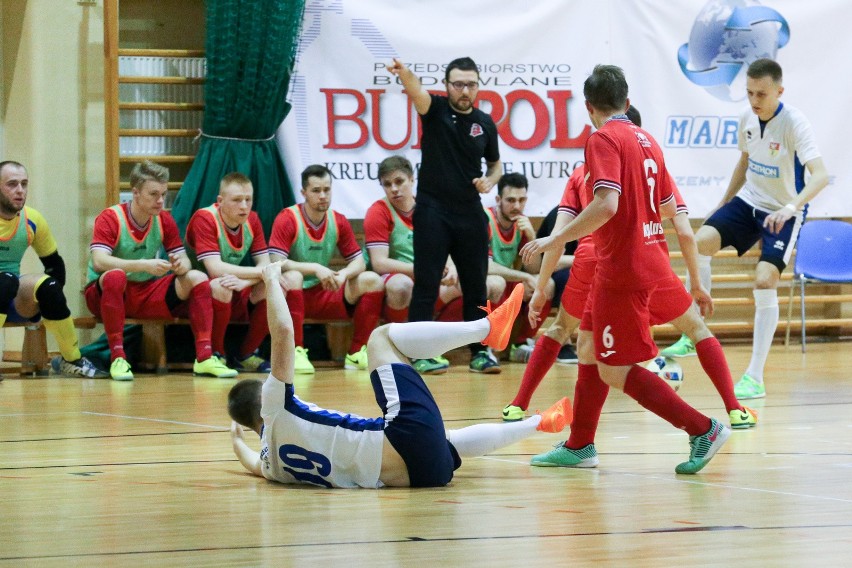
{"points": [[305, 237], [632, 193], [127, 276]]}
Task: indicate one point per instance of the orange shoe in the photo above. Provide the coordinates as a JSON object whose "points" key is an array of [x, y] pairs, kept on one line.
{"points": [[502, 319], [557, 417]]}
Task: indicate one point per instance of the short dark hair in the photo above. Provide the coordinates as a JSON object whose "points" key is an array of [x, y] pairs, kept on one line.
{"points": [[514, 179], [395, 164], [314, 170], [244, 403], [760, 68], [462, 64], [5, 163], [606, 88], [633, 114]]}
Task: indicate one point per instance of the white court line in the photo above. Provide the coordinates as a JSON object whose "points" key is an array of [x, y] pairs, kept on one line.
{"points": [[721, 485], [156, 420]]}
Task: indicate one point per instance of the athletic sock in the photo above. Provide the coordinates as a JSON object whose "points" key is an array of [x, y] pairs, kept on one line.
{"points": [[428, 339], [713, 361], [651, 392], [395, 315], [525, 330], [201, 319], [705, 273], [590, 394], [765, 323], [451, 311], [479, 439], [66, 337], [112, 311], [296, 303], [543, 356], [366, 318], [258, 329], [221, 319]]}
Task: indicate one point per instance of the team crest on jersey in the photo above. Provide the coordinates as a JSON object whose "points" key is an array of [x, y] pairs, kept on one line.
{"points": [[748, 134], [643, 140], [475, 130], [774, 147]]}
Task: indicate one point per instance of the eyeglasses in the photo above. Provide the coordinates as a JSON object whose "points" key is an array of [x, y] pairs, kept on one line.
{"points": [[460, 85]]}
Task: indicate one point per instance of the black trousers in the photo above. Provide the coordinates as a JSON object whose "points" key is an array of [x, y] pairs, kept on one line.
{"points": [[462, 235]]}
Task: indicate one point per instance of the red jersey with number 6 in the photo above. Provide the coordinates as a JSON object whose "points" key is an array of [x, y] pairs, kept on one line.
{"points": [[631, 246]]}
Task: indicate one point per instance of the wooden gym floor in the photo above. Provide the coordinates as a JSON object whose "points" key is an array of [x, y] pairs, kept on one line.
{"points": [[98, 473]]}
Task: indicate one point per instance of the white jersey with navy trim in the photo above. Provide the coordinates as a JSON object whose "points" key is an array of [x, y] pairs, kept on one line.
{"points": [[303, 443], [776, 157]]}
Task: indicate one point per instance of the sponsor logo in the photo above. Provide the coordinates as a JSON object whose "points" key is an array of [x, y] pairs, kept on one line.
{"points": [[774, 148], [779, 245], [607, 353], [475, 130], [727, 36], [701, 131], [714, 434], [651, 229], [643, 140], [763, 169]]}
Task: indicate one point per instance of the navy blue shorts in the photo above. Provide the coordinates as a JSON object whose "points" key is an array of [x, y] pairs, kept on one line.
{"points": [[14, 317], [413, 425], [741, 225]]}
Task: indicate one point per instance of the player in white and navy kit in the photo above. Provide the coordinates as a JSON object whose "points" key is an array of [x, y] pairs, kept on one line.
{"points": [[407, 446], [766, 201]]}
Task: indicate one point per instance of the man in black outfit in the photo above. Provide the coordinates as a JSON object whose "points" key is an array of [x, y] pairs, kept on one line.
{"points": [[449, 218]]}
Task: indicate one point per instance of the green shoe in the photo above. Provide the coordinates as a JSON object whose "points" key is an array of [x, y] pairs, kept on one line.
{"points": [[432, 366], [301, 364], [482, 362], [560, 456], [357, 361], [513, 413], [119, 370], [749, 388], [520, 353], [253, 363], [741, 419], [213, 367], [682, 348], [704, 447]]}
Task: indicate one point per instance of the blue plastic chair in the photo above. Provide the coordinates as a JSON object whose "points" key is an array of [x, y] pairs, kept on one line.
{"points": [[823, 255]]}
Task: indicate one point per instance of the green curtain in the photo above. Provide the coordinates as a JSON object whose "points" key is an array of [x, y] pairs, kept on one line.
{"points": [[251, 49]]}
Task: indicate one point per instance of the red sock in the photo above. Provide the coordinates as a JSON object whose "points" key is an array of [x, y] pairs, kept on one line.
{"points": [[296, 303], [112, 311], [454, 311], [653, 393], [221, 319], [590, 394], [395, 315], [713, 361], [366, 317], [525, 330], [201, 319], [258, 329], [543, 356]]}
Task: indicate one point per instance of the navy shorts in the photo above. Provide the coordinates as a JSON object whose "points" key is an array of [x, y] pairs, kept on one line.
{"points": [[741, 225], [413, 425]]}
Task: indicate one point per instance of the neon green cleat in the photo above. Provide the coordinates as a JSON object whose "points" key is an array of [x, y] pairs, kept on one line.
{"points": [[560, 456], [741, 419], [704, 447], [434, 366], [119, 370], [513, 413], [253, 363], [683, 347], [357, 361], [748, 387], [213, 367], [520, 353], [301, 364]]}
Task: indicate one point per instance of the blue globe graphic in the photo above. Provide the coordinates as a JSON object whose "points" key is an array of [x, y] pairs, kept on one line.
{"points": [[726, 37]]}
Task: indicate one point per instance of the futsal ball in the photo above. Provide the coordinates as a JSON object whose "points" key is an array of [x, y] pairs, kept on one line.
{"points": [[667, 369]]}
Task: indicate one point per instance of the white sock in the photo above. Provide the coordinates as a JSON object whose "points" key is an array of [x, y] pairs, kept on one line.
{"points": [[480, 439], [428, 339], [765, 322], [705, 274]]}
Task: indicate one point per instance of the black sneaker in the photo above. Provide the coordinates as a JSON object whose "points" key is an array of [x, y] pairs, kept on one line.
{"points": [[567, 355]]}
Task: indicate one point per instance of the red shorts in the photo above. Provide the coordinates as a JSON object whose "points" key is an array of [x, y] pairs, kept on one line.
{"points": [[240, 305], [576, 291], [324, 304], [669, 301], [143, 300]]}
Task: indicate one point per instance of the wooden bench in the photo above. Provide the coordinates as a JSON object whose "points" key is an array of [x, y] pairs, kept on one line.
{"points": [[34, 359]]}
